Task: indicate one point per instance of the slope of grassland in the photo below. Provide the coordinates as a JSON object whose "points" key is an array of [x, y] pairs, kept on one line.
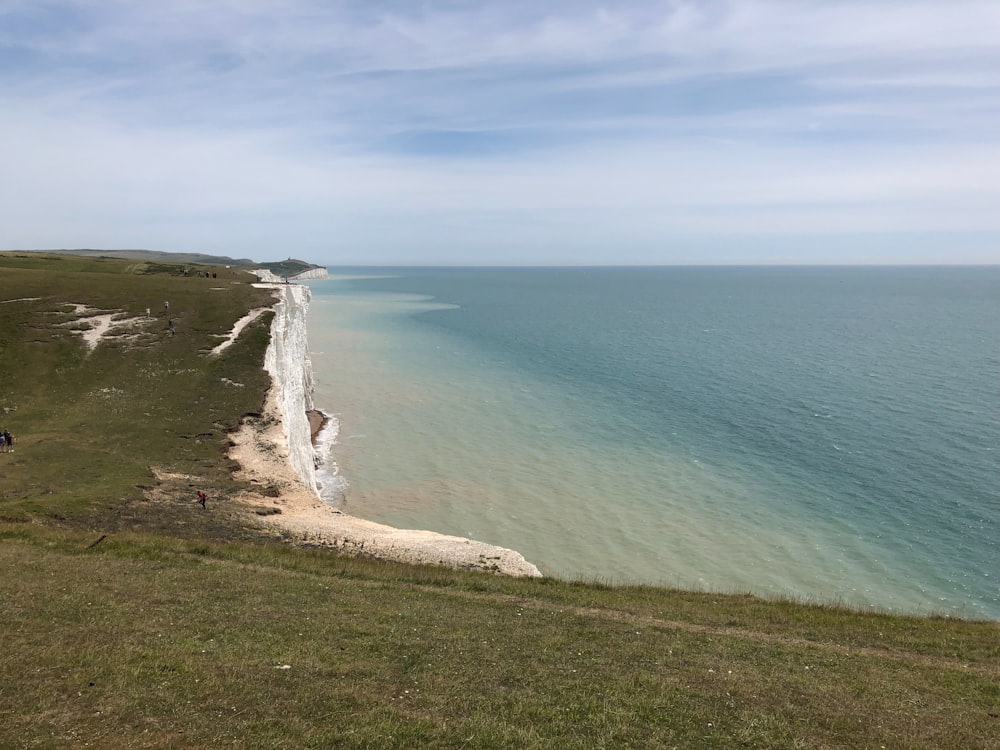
{"points": [[119, 434], [130, 617]]}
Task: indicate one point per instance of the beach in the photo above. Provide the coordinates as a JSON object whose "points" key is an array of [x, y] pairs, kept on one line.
{"points": [[289, 505]]}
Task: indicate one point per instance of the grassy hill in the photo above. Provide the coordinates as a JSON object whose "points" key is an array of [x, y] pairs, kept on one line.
{"points": [[131, 617], [95, 427], [288, 267]]}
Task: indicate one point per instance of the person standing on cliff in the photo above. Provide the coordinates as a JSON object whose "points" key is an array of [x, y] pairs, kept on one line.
{"points": [[202, 497]]}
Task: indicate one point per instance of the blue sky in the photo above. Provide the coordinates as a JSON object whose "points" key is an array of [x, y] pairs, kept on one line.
{"points": [[679, 131]]}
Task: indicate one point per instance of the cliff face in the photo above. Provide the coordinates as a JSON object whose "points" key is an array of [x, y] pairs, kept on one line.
{"points": [[287, 362], [269, 277], [312, 273]]}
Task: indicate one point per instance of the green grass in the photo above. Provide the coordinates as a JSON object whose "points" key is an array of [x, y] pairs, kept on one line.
{"points": [[150, 642], [195, 261], [90, 425], [130, 617]]}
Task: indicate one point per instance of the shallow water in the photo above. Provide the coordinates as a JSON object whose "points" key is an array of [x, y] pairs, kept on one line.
{"points": [[823, 433]]}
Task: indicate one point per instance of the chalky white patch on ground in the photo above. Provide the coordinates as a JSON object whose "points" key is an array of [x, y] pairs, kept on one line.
{"points": [[237, 329], [100, 325]]}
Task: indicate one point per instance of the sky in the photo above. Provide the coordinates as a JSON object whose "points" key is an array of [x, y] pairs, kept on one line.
{"points": [[507, 132]]}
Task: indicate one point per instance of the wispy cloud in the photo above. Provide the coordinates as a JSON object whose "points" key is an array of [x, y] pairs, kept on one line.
{"points": [[484, 132]]}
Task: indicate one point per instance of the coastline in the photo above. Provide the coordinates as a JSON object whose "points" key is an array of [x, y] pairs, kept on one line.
{"points": [[276, 453]]}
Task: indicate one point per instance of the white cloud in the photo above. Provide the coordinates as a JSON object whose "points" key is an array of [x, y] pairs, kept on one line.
{"points": [[241, 123]]}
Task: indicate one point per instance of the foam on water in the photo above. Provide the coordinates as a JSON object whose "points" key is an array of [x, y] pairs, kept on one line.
{"points": [[606, 432], [332, 485]]}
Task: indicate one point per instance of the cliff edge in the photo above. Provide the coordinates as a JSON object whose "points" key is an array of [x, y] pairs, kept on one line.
{"points": [[287, 362]]}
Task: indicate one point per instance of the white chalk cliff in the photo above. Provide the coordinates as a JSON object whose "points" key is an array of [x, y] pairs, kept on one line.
{"points": [[287, 362], [312, 273], [271, 278]]}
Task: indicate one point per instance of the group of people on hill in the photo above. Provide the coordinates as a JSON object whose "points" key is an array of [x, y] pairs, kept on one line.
{"points": [[6, 442]]}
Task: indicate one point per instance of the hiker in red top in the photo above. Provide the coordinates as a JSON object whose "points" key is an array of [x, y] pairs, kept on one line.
{"points": [[202, 497]]}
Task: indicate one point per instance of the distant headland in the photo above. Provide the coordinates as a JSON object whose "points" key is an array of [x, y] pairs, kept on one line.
{"points": [[290, 268]]}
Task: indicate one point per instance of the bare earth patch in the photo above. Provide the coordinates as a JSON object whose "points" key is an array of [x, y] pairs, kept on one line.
{"points": [[101, 324], [170, 486], [238, 327]]}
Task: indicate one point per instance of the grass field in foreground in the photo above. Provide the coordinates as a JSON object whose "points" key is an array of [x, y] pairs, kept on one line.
{"points": [[131, 618], [165, 643]]}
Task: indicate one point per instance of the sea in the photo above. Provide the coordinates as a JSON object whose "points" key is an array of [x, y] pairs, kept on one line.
{"points": [[828, 434]]}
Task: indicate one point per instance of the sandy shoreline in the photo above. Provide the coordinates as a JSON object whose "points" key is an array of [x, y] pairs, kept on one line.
{"points": [[290, 509]]}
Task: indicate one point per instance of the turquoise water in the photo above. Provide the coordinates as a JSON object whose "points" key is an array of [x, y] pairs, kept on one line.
{"points": [[825, 433]]}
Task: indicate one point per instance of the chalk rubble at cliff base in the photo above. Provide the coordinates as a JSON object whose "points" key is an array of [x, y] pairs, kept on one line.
{"points": [[276, 453]]}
